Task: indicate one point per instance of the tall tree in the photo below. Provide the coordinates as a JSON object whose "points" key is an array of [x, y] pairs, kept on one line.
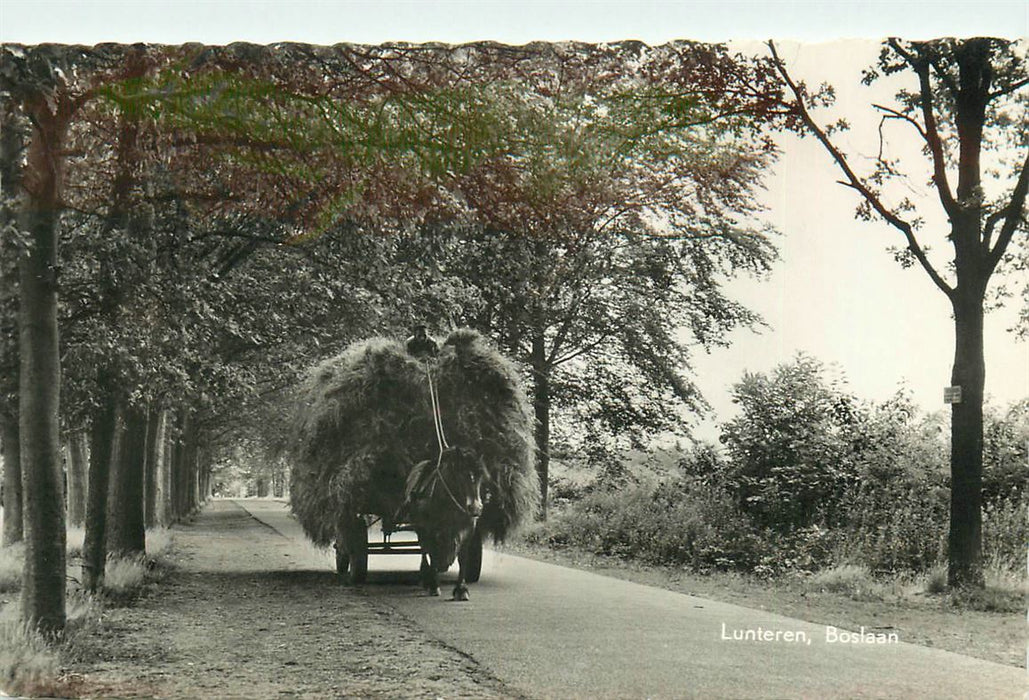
{"points": [[46, 85], [618, 197], [14, 128], [969, 112], [78, 468], [38, 88]]}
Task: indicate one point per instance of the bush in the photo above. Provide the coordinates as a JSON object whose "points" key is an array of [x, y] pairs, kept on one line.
{"points": [[1006, 533], [1005, 453], [903, 529], [680, 523]]}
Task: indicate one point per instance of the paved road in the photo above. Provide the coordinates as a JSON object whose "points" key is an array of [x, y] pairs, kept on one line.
{"points": [[555, 632]]}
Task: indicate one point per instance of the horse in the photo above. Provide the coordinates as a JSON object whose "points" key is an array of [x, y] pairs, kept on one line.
{"points": [[445, 499]]}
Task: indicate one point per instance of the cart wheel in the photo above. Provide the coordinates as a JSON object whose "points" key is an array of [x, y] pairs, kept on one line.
{"points": [[358, 552], [473, 557]]}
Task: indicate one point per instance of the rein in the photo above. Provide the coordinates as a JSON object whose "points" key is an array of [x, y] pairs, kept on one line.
{"points": [[441, 440]]}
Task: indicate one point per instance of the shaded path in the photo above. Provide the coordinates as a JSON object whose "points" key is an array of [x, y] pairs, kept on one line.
{"points": [[251, 613]]}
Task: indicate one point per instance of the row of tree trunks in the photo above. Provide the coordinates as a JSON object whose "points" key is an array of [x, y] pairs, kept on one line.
{"points": [[144, 472]]}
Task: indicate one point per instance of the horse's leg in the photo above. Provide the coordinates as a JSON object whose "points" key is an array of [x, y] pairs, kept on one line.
{"points": [[430, 581], [461, 589]]}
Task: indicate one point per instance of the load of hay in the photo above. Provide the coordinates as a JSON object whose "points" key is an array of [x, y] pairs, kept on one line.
{"points": [[365, 420]]}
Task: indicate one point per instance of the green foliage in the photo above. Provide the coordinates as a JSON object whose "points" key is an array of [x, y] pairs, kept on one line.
{"points": [[688, 523], [791, 446], [1006, 454], [884, 514], [1006, 534]]}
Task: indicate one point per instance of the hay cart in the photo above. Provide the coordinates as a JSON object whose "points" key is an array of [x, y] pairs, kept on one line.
{"points": [[368, 423], [355, 562]]}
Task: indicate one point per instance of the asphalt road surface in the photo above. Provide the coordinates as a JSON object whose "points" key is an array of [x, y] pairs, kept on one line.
{"points": [[555, 632]]}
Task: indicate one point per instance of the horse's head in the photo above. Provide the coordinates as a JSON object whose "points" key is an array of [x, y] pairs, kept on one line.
{"points": [[445, 499]]}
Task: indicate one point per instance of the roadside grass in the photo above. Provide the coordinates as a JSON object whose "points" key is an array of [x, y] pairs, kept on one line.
{"points": [[124, 577], [159, 543], [30, 665]]}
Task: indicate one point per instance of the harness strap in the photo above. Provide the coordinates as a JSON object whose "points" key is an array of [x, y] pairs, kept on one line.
{"points": [[441, 441], [437, 418]]}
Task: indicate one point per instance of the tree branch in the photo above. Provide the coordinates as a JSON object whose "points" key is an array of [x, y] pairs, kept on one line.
{"points": [[1011, 219], [589, 347], [932, 133], [1009, 89], [895, 114], [854, 181]]}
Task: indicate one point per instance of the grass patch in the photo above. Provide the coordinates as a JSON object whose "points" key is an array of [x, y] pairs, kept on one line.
{"points": [[847, 579], [159, 546], [936, 579], [29, 666], [125, 577], [993, 600]]}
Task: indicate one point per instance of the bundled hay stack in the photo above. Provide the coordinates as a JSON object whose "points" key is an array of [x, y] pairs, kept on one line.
{"points": [[365, 421]]}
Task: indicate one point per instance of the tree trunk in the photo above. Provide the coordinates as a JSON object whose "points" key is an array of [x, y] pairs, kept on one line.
{"points": [[155, 434], [166, 470], [43, 596], [966, 456], [183, 464], [12, 496], [126, 532], [541, 408], [78, 465], [104, 449]]}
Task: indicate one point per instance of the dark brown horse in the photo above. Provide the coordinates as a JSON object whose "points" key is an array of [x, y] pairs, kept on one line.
{"points": [[445, 502]]}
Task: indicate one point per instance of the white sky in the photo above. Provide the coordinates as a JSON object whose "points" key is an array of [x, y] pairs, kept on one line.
{"points": [[836, 294]]}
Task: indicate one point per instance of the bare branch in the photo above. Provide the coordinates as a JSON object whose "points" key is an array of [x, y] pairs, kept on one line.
{"points": [[895, 114], [589, 347], [853, 181]]}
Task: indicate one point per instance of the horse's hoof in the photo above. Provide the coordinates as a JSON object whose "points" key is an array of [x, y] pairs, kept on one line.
{"points": [[460, 593], [434, 590]]}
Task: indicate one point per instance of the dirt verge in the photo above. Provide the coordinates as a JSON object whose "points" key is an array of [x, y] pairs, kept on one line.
{"points": [[248, 614]]}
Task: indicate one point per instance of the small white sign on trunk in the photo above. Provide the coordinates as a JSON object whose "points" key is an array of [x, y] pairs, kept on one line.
{"points": [[952, 394]]}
